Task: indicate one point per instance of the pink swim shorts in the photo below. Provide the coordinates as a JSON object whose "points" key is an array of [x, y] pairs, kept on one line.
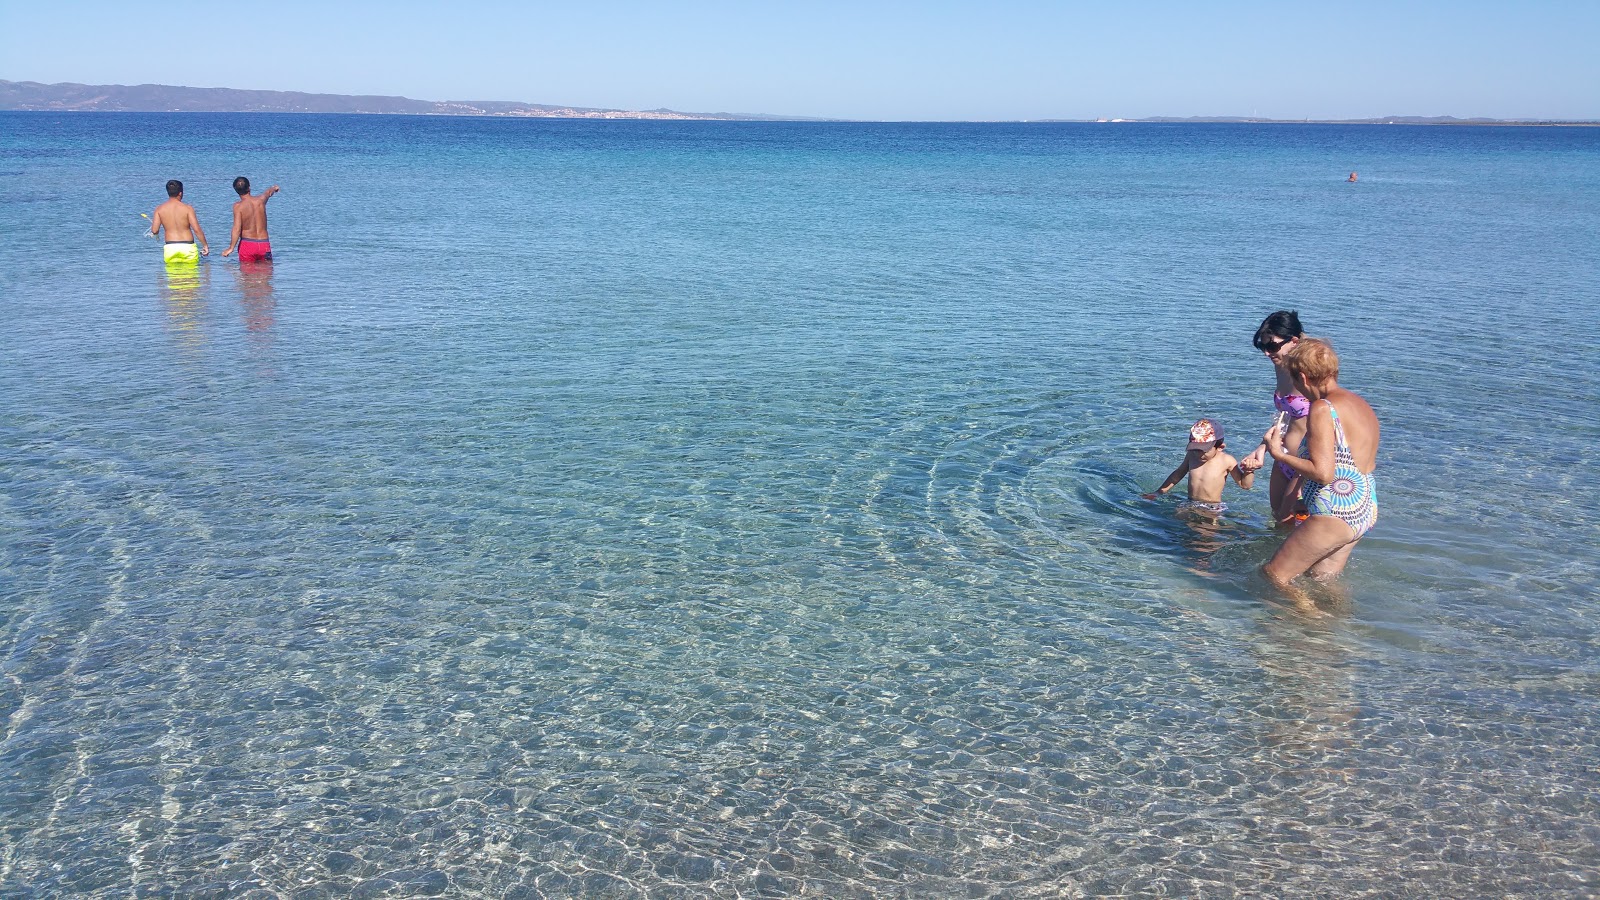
{"points": [[254, 250]]}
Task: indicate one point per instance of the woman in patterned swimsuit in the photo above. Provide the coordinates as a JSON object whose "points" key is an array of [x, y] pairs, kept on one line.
{"points": [[1339, 491]]}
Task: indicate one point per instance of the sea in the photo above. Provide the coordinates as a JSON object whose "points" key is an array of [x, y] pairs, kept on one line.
{"points": [[740, 509]]}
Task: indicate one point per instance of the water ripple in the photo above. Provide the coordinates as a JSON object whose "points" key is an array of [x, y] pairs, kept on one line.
{"points": [[731, 511]]}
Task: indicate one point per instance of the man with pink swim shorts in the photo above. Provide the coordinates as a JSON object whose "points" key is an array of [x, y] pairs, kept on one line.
{"points": [[250, 223]]}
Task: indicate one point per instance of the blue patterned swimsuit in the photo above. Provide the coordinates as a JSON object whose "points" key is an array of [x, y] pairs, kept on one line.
{"points": [[1352, 496]]}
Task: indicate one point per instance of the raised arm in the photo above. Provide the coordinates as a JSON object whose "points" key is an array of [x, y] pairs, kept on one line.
{"points": [[267, 194]]}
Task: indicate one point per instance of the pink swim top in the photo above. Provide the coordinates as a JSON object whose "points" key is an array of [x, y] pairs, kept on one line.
{"points": [[1295, 405]]}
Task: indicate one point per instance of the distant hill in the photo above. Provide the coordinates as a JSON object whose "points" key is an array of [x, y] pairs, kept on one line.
{"points": [[68, 97]]}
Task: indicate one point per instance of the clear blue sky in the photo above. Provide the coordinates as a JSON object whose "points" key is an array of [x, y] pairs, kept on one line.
{"points": [[858, 60]]}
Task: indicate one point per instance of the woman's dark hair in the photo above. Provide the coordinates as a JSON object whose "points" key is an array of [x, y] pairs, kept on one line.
{"points": [[1285, 323]]}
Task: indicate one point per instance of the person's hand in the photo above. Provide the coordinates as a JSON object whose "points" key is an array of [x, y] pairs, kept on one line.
{"points": [[226, 252], [205, 251], [1256, 459], [1273, 442]]}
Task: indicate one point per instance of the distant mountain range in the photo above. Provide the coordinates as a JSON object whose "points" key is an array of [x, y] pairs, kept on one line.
{"points": [[69, 97], [31, 95]]}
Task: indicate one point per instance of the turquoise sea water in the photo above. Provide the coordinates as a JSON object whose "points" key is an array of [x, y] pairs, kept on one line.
{"points": [[733, 509]]}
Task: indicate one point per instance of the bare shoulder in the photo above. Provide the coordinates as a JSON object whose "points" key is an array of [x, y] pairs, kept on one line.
{"points": [[1321, 411], [1360, 424], [1352, 404]]}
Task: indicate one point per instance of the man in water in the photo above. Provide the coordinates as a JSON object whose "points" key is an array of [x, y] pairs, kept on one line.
{"points": [[250, 223], [177, 219]]}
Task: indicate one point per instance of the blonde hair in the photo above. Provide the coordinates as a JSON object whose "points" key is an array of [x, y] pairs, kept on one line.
{"points": [[1314, 360]]}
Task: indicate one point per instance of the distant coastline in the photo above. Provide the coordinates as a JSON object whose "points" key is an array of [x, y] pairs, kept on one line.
{"points": [[32, 96], [1379, 120], [70, 97]]}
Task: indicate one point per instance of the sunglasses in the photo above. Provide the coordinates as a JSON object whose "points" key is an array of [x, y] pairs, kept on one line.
{"points": [[1271, 349]]}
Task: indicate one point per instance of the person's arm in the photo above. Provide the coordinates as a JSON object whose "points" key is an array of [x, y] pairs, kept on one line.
{"points": [[1258, 457], [1245, 479], [194, 223], [155, 221], [233, 239], [1172, 480], [267, 194], [1255, 460], [1319, 442]]}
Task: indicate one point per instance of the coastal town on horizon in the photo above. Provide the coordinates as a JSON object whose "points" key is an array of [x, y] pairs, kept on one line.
{"points": [[30, 96]]}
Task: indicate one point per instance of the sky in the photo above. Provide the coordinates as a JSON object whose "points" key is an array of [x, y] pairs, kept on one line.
{"points": [[999, 60]]}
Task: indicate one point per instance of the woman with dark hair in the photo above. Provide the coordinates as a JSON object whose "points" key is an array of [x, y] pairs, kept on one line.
{"points": [[1340, 492], [1279, 334]]}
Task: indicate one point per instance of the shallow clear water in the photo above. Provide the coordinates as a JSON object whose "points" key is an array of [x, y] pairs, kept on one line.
{"points": [[729, 509]]}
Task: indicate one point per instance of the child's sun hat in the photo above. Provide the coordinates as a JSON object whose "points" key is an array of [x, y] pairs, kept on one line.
{"points": [[1204, 435]]}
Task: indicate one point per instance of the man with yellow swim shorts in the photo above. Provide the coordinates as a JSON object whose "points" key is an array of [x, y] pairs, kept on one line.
{"points": [[176, 218]]}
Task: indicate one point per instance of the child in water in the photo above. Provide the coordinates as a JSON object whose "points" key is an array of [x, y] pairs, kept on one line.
{"points": [[1208, 468]]}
